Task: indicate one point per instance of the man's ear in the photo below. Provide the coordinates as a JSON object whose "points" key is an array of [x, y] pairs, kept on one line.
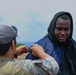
{"points": [[13, 44]]}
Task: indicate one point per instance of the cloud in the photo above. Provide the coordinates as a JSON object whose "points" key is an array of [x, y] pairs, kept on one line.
{"points": [[32, 17]]}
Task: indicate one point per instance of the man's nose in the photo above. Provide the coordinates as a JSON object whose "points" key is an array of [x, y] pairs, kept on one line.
{"points": [[62, 32]]}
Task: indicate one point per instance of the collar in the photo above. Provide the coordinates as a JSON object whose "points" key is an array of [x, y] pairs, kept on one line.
{"points": [[5, 59]]}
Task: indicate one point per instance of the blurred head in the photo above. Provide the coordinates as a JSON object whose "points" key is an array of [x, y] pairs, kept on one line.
{"points": [[7, 39], [62, 28]]}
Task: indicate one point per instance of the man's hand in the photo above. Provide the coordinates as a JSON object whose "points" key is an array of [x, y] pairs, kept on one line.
{"points": [[21, 49], [38, 51]]}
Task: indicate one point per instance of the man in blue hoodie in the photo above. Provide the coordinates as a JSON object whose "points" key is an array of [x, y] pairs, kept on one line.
{"points": [[59, 43]]}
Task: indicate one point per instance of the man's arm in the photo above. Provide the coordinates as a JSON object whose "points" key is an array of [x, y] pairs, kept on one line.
{"points": [[47, 62]]}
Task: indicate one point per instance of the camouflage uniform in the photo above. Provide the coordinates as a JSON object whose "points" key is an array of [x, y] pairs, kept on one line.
{"points": [[47, 66], [7, 68]]}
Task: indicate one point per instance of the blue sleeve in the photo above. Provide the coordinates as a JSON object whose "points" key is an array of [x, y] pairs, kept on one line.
{"points": [[46, 44]]}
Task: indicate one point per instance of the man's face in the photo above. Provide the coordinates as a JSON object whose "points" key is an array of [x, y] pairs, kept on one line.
{"points": [[62, 29]]}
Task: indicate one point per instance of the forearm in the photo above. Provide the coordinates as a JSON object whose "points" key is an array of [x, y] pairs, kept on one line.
{"points": [[43, 55]]}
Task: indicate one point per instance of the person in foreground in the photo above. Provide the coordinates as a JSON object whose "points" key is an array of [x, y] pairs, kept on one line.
{"points": [[59, 43], [45, 66]]}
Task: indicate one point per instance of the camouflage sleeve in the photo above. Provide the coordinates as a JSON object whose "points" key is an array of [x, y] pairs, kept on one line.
{"points": [[39, 67], [27, 65], [50, 65]]}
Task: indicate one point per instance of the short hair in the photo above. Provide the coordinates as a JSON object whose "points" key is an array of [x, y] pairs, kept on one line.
{"points": [[5, 47]]}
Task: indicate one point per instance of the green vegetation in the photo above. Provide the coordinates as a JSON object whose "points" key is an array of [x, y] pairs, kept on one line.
{"points": [[19, 45]]}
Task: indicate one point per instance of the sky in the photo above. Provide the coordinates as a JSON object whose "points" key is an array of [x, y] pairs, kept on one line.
{"points": [[32, 17]]}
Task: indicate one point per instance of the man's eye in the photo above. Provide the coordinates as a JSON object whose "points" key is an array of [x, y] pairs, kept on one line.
{"points": [[67, 29], [59, 28]]}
